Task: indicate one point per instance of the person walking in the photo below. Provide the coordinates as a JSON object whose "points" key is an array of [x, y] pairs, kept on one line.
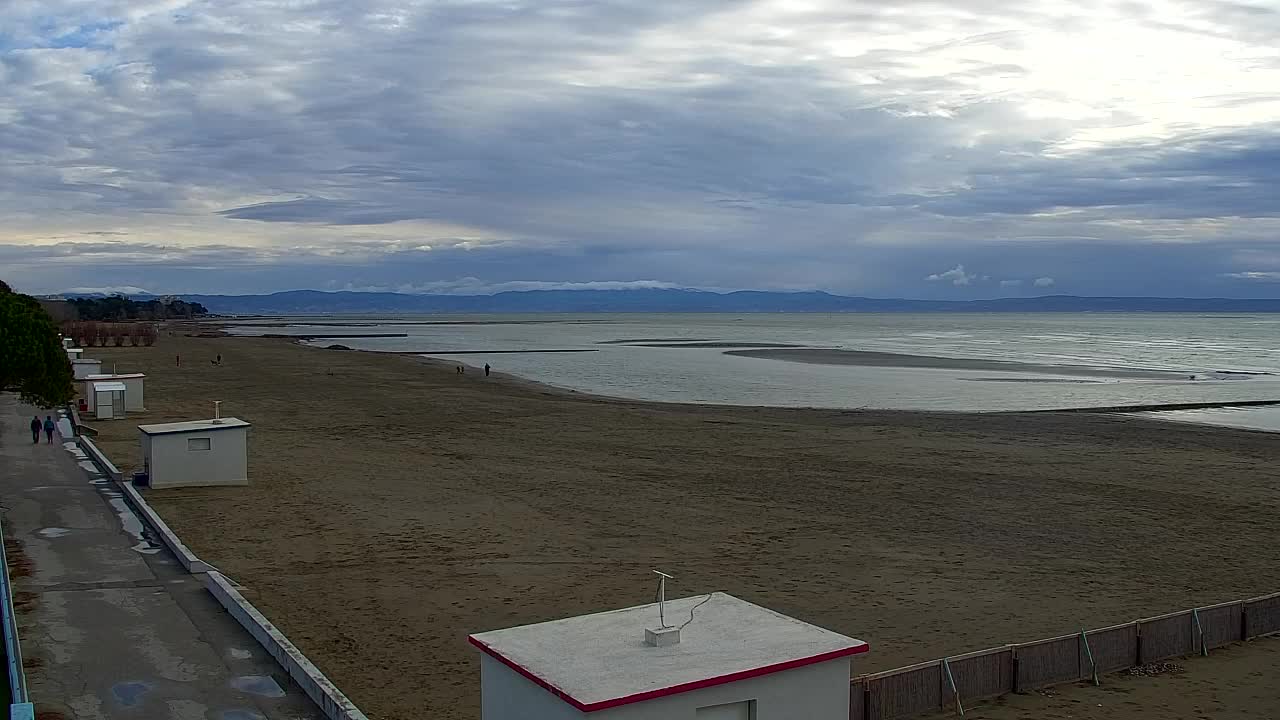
{"points": [[35, 430], [49, 427], [486, 369]]}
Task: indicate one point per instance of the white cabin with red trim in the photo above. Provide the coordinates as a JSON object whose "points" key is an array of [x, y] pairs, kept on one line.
{"points": [[728, 660]]}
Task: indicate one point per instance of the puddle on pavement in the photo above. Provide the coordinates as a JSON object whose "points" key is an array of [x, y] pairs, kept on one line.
{"points": [[258, 685], [240, 715], [53, 532], [130, 693], [132, 524], [238, 654]]}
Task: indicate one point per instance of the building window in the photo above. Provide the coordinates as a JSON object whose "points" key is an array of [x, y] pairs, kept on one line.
{"points": [[199, 444]]}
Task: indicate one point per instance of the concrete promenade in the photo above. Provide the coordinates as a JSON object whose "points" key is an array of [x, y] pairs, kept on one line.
{"points": [[111, 625]]}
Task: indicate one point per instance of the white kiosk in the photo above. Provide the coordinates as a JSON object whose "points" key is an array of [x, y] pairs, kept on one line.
{"points": [[84, 367], [710, 657], [108, 399], [134, 385], [197, 453]]}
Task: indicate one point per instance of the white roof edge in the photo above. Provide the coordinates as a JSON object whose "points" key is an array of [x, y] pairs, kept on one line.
{"points": [[227, 423], [106, 376], [100, 386]]}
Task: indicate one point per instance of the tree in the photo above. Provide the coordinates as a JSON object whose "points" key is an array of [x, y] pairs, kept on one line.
{"points": [[32, 360]]}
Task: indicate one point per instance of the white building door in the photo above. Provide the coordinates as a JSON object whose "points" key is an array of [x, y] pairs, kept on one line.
{"points": [[728, 711]]}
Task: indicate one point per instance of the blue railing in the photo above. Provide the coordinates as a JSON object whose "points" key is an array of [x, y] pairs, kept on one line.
{"points": [[19, 703]]}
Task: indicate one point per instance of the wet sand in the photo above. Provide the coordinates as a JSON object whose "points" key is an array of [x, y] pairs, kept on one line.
{"points": [[817, 356], [397, 506]]}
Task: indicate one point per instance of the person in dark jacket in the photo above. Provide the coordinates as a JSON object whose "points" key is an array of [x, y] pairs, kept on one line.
{"points": [[35, 430], [49, 427]]}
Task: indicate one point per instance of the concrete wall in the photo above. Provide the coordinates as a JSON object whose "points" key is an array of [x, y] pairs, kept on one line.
{"points": [[507, 695], [813, 692], [332, 702], [171, 464]]}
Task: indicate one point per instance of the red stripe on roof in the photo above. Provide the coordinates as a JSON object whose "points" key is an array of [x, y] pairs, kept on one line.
{"points": [[674, 689]]}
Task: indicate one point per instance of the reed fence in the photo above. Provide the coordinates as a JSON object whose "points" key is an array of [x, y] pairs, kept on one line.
{"points": [[954, 682]]}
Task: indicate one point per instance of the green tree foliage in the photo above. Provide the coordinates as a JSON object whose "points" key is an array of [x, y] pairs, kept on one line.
{"points": [[32, 360], [116, 308]]}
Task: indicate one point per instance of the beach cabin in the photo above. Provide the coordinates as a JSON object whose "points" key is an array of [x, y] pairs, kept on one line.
{"points": [[84, 367], [197, 453], [710, 657], [108, 399], [134, 398], [68, 343], [74, 354]]}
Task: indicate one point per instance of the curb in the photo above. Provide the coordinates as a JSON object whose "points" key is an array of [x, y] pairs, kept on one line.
{"points": [[319, 688], [188, 559], [96, 455]]}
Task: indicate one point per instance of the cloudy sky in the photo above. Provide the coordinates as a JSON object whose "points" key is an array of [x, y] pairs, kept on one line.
{"points": [[957, 149]]}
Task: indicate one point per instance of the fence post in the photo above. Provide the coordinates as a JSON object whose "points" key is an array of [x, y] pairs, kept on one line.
{"points": [[1195, 616], [954, 690], [1093, 666]]}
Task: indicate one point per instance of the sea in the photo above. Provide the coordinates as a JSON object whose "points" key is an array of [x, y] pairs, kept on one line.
{"points": [[1054, 360]]}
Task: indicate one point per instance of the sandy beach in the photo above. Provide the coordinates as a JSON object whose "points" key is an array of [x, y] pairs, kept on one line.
{"points": [[397, 506]]}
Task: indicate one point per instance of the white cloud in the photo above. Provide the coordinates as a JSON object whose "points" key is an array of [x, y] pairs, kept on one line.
{"points": [[110, 290], [476, 286], [1010, 283], [1254, 275], [1044, 282], [956, 276]]}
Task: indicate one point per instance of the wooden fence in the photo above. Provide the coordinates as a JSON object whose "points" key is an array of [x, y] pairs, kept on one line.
{"points": [[956, 681]]}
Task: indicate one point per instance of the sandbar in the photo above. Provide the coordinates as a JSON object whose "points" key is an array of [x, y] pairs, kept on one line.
{"points": [[825, 356]]}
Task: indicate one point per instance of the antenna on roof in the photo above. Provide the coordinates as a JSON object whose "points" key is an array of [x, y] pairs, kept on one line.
{"points": [[217, 412], [664, 634], [662, 597]]}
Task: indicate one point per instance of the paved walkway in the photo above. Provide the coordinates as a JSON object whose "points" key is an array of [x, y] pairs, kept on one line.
{"points": [[111, 625]]}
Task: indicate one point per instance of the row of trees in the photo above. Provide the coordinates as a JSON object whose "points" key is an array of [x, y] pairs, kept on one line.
{"points": [[88, 333], [32, 360], [120, 307]]}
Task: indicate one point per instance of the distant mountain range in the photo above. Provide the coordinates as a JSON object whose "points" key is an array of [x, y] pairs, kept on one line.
{"points": [[300, 302]]}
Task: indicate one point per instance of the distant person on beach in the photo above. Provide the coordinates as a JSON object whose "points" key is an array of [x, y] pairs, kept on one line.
{"points": [[35, 430], [49, 427], [177, 360], [486, 369]]}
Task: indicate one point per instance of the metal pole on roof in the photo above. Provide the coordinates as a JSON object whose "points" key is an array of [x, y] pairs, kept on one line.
{"points": [[217, 412], [662, 597]]}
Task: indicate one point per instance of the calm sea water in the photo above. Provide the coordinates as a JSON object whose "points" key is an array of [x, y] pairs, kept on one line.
{"points": [[1219, 350]]}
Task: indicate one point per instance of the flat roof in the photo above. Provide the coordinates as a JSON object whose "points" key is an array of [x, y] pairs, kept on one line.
{"points": [[86, 360], [594, 662], [108, 386], [126, 376], [226, 423]]}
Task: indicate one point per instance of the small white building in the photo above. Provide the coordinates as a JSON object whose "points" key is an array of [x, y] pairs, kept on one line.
{"points": [[201, 452], [108, 399], [69, 344], [84, 367], [134, 397], [728, 659]]}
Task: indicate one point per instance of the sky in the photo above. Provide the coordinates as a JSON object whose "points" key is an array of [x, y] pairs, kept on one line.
{"points": [[950, 150]]}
